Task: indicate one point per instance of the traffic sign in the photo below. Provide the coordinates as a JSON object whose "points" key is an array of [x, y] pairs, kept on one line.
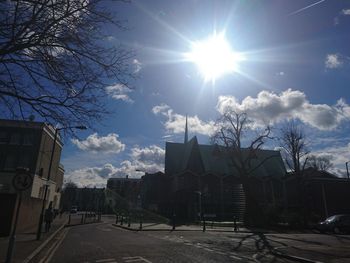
{"points": [[22, 180]]}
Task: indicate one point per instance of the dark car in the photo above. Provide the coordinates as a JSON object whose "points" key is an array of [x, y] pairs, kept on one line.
{"points": [[336, 224]]}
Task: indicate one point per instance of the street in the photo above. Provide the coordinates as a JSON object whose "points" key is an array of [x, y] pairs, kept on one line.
{"points": [[104, 242]]}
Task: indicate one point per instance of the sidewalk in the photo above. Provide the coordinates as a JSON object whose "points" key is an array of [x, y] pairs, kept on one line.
{"points": [[316, 253], [165, 227], [216, 226], [27, 243]]}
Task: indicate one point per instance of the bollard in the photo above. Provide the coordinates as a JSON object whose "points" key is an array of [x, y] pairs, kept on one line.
{"points": [[82, 219], [140, 221], [204, 227], [129, 220], [235, 224], [69, 219], [174, 216], [116, 219]]}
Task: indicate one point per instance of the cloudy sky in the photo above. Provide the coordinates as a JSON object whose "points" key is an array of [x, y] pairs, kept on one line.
{"points": [[288, 60]]}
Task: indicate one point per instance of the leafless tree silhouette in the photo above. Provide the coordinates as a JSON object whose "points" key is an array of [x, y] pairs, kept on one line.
{"points": [[55, 59], [293, 142], [320, 163], [232, 128]]}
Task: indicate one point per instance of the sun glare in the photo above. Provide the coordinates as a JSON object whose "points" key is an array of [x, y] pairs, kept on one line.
{"points": [[214, 57]]}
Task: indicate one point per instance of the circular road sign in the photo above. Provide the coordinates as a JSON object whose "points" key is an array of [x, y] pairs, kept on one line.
{"points": [[22, 181]]}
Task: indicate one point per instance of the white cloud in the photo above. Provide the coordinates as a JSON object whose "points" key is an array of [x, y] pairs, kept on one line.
{"points": [[103, 144], [269, 107], [333, 61], [119, 92], [346, 12], [137, 65], [338, 156], [175, 122], [161, 109], [152, 154], [149, 159], [91, 176]]}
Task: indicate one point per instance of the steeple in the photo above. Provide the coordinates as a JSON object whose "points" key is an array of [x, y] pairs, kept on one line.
{"points": [[186, 132]]}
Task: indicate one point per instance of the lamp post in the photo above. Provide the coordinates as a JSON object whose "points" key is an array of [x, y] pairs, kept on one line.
{"points": [[41, 219], [347, 169]]}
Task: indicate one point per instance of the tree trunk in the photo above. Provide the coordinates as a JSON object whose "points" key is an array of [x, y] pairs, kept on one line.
{"points": [[254, 215]]}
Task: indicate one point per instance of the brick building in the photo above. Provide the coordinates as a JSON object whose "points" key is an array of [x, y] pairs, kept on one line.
{"points": [[28, 144]]}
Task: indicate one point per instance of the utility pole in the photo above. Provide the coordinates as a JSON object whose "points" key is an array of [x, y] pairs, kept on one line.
{"points": [[347, 169]]}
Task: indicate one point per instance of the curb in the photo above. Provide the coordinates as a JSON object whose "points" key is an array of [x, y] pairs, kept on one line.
{"points": [[185, 230], [39, 248], [159, 229], [296, 258]]}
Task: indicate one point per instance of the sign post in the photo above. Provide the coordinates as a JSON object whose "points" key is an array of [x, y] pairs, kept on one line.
{"points": [[21, 181]]}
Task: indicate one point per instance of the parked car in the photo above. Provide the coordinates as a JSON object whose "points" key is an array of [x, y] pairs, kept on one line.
{"points": [[336, 224], [74, 210]]}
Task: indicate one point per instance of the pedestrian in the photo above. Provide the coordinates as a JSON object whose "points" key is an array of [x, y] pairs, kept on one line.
{"points": [[48, 217]]}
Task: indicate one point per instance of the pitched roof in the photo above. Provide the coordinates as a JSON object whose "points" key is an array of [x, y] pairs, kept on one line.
{"points": [[214, 159]]}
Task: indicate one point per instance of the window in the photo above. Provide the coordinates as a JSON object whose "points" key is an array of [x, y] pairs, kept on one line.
{"points": [[28, 139], [10, 161], [15, 138], [3, 137], [41, 172], [24, 160]]}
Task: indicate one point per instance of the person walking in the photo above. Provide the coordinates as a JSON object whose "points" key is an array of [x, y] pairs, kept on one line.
{"points": [[48, 217]]}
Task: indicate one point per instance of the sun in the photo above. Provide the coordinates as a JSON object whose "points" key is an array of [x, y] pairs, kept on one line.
{"points": [[214, 57]]}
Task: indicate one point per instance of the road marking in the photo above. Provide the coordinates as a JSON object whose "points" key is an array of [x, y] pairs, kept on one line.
{"points": [[236, 257], [106, 260], [136, 259], [51, 251]]}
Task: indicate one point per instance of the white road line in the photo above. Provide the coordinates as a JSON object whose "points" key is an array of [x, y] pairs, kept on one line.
{"points": [[57, 245], [105, 260], [236, 257], [135, 259]]}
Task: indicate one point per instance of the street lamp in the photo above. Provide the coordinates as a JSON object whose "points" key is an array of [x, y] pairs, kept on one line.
{"points": [[347, 168], [41, 219]]}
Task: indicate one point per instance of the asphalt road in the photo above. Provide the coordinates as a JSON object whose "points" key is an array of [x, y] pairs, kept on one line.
{"points": [[104, 243]]}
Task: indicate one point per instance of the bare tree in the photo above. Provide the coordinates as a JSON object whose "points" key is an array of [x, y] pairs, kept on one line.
{"points": [[55, 59], [70, 184], [319, 163], [232, 129], [293, 142]]}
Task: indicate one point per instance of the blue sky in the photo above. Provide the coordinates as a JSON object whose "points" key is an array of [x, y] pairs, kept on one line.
{"points": [[296, 65]]}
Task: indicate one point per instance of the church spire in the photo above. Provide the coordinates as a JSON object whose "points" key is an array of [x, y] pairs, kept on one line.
{"points": [[186, 132]]}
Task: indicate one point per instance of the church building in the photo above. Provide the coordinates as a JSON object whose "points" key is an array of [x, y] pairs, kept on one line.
{"points": [[204, 183]]}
